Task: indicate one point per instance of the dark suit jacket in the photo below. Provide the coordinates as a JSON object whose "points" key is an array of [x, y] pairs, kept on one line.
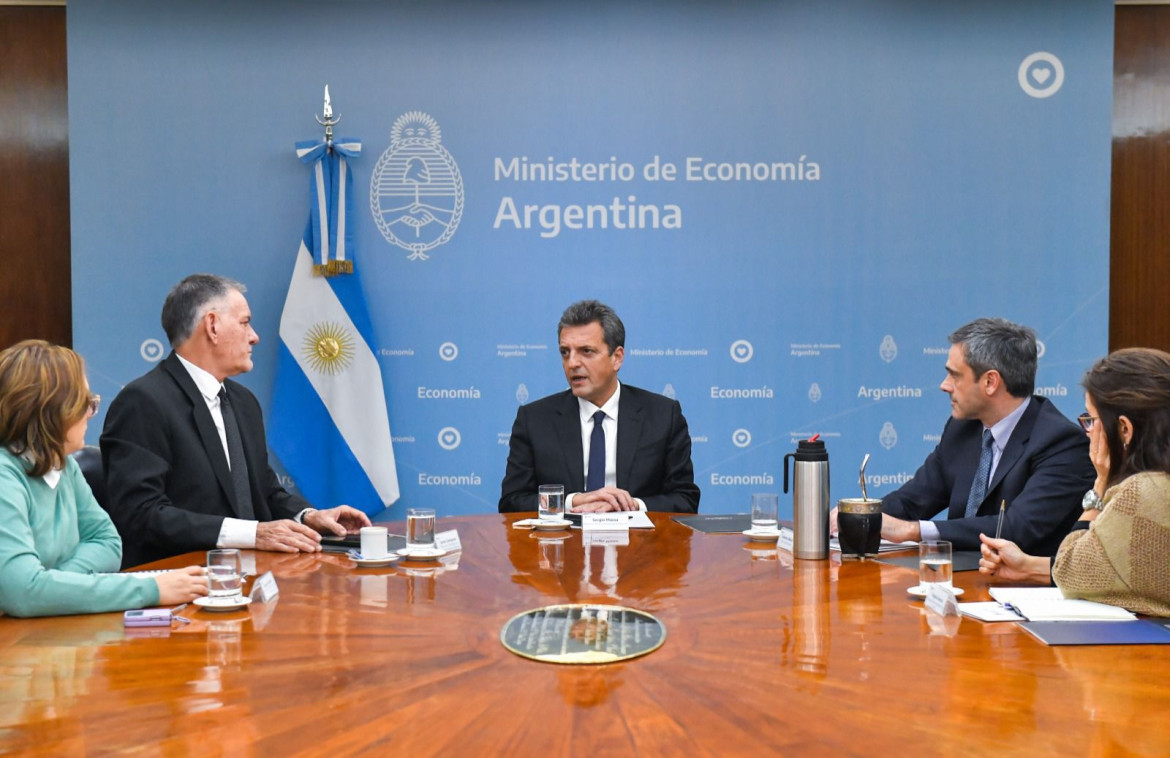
{"points": [[1043, 474], [168, 482], [653, 451]]}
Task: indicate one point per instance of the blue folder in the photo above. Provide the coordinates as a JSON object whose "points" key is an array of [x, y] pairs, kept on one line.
{"points": [[1136, 632]]}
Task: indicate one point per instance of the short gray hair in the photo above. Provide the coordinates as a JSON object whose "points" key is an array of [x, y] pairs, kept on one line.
{"points": [[189, 301], [585, 312], [996, 343]]}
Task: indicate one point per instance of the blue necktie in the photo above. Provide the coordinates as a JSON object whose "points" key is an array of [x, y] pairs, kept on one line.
{"points": [[595, 479], [982, 474]]}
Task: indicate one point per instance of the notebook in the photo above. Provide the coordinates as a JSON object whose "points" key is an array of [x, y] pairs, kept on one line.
{"points": [[1048, 604]]}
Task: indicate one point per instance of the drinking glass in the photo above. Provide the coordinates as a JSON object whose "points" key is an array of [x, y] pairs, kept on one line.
{"points": [[551, 501], [935, 563], [420, 528], [764, 506], [224, 575]]}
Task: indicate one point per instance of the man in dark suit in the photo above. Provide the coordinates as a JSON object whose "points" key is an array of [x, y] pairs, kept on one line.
{"points": [[613, 446], [1001, 444], [184, 449]]}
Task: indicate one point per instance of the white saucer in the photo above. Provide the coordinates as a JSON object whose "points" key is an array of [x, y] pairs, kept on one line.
{"points": [[552, 524], [233, 603], [421, 553], [918, 591], [763, 535], [385, 560]]}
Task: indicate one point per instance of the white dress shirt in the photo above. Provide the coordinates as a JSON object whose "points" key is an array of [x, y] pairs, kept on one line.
{"points": [[610, 425], [238, 533]]}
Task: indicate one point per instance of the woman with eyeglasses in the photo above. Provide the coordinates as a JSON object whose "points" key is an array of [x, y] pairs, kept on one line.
{"points": [[1118, 553], [54, 537]]}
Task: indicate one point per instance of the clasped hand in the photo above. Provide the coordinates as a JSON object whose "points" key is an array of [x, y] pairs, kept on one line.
{"points": [[603, 500]]}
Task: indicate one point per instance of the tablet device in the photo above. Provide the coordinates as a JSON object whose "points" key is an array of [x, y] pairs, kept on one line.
{"points": [[331, 543]]}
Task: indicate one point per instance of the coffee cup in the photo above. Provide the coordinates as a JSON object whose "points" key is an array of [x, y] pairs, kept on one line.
{"points": [[375, 542]]}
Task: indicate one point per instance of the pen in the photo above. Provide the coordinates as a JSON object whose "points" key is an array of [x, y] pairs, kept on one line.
{"points": [[999, 526]]}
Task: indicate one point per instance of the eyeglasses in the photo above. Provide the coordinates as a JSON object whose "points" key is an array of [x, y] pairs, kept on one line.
{"points": [[91, 409], [1086, 421]]}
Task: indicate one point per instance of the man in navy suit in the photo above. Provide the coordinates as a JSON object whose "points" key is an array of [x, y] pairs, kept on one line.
{"points": [[613, 446], [1001, 445], [184, 448]]}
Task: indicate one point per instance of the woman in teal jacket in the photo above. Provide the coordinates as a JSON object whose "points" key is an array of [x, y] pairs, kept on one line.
{"points": [[55, 540]]}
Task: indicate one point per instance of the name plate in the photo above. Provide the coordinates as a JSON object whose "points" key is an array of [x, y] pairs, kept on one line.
{"points": [[264, 588], [448, 541], [605, 522], [941, 600]]}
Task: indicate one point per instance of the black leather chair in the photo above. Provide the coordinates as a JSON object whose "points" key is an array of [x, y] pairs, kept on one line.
{"points": [[89, 459]]}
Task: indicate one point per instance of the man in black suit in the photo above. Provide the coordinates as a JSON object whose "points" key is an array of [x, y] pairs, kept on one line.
{"points": [[1001, 444], [613, 446], [184, 449]]}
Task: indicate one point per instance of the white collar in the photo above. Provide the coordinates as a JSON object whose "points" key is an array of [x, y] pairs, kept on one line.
{"points": [[208, 385], [610, 408], [50, 477]]}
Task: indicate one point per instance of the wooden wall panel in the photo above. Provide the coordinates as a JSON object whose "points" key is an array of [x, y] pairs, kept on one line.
{"points": [[35, 289], [1139, 270]]}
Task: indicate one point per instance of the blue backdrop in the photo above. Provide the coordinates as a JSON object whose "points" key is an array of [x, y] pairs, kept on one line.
{"points": [[790, 205]]}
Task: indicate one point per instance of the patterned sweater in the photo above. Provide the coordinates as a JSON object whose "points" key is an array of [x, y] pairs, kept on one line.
{"points": [[1122, 558]]}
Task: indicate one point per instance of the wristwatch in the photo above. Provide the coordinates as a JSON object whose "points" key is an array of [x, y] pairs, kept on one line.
{"points": [[1092, 501]]}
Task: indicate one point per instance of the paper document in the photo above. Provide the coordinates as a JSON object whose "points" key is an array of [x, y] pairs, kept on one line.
{"points": [[884, 547], [989, 611], [1048, 604], [639, 520]]}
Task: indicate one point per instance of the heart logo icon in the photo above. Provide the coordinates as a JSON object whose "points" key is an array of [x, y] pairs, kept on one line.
{"points": [[449, 438], [1040, 75], [741, 351]]}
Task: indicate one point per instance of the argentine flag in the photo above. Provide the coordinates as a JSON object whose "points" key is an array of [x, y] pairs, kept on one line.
{"points": [[330, 427]]}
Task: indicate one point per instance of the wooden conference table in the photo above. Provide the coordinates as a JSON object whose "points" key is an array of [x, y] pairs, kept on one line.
{"points": [[763, 654]]}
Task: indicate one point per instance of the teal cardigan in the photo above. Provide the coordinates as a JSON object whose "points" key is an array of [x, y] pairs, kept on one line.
{"points": [[52, 540]]}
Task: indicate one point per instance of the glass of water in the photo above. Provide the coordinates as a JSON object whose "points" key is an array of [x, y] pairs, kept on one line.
{"points": [[764, 505], [224, 573], [420, 528], [935, 562], [551, 501]]}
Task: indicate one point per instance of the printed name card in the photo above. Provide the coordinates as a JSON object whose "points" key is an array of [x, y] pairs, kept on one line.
{"points": [[605, 522], [941, 600], [264, 588], [448, 541]]}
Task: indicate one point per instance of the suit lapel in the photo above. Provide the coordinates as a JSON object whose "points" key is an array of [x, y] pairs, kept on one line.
{"points": [[966, 457], [568, 426], [629, 432], [1016, 444], [204, 424]]}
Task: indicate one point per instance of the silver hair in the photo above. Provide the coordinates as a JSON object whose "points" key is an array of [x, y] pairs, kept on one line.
{"points": [[190, 300]]}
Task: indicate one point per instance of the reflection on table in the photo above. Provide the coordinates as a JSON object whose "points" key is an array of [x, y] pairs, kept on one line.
{"points": [[764, 653]]}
